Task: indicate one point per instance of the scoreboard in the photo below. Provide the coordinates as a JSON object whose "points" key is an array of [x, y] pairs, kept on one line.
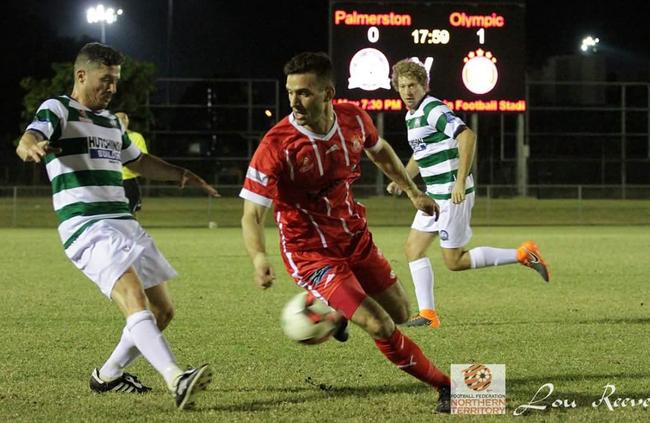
{"points": [[474, 52]]}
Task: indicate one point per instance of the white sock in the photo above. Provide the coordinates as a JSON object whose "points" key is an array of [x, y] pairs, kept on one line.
{"points": [[422, 274], [124, 354], [489, 256], [152, 344]]}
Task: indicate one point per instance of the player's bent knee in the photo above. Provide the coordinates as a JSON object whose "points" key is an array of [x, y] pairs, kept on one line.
{"points": [[458, 266], [374, 319], [453, 263], [453, 266]]}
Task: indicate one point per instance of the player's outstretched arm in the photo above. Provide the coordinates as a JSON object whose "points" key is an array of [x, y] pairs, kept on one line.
{"points": [[252, 223], [32, 147], [191, 178], [385, 159], [152, 167]]}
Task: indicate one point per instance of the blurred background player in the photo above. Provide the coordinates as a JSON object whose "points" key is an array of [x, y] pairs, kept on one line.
{"points": [[130, 178], [443, 152], [84, 147], [304, 167]]}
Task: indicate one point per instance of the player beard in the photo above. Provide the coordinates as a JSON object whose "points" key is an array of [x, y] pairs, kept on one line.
{"points": [[300, 116]]}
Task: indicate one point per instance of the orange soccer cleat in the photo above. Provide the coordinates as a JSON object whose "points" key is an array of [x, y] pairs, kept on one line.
{"points": [[424, 318], [528, 254]]}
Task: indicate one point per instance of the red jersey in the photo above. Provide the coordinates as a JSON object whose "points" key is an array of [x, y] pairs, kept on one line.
{"points": [[307, 178]]}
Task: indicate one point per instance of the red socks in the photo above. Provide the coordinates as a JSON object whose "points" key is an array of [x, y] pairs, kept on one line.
{"points": [[406, 355]]}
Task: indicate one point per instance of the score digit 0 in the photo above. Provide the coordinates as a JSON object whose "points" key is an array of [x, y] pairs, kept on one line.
{"points": [[373, 34]]}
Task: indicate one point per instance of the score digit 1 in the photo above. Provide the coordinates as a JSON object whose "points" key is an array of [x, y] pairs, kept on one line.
{"points": [[481, 35]]}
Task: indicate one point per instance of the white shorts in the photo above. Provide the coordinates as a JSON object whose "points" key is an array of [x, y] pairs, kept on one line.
{"points": [[105, 250], [453, 225]]}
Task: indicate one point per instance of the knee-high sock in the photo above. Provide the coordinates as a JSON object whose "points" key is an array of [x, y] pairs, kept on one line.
{"points": [[422, 274], [124, 354], [152, 344], [406, 355], [489, 256]]}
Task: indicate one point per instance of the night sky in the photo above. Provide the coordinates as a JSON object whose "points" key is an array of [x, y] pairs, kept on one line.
{"points": [[253, 39], [241, 38]]}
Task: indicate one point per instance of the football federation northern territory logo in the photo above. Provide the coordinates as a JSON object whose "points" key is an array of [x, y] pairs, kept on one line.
{"points": [[477, 377], [478, 388]]}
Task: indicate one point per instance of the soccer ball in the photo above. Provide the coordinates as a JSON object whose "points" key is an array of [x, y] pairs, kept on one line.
{"points": [[308, 322]]}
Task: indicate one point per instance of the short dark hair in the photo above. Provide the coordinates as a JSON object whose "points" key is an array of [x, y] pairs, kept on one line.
{"points": [[98, 54], [310, 62]]}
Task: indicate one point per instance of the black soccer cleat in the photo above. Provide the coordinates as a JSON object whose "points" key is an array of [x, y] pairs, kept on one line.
{"points": [[341, 333], [190, 383], [444, 400], [125, 383]]}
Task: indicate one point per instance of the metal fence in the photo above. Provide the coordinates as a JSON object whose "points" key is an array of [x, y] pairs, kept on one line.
{"points": [[588, 132], [579, 132], [581, 141], [168, 206]]}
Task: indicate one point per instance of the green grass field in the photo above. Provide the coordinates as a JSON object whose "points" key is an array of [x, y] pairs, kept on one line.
{"points": [[194, 211], [586, 329]]}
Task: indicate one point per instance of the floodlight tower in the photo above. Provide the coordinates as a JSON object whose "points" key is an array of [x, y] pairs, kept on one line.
{"points": [[102, 15], [589, 44]]}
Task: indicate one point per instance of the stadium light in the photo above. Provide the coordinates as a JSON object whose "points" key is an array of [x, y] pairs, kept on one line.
{"points": [[589, 44], [102, 15]]}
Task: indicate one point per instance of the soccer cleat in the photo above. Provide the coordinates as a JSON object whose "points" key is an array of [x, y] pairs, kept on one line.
{"points": [[190, 383], [444, 400], [528, 254], [424, 318], [341, 333], [125, 383]]}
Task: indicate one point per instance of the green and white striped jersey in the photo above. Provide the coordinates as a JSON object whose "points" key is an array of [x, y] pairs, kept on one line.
{"points": [[86, 175], [432, 131]]}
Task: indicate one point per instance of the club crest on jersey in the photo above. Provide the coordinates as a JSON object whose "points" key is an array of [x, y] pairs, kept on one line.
{"points": [[305, 165], [356, 144], [417, 145], [101, 148]]}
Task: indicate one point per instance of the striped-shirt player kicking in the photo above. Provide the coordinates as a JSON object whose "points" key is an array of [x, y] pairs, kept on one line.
{"points": [[83, 147]]}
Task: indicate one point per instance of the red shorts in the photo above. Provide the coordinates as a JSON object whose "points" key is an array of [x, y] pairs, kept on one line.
{"points": [[342, 278]]}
